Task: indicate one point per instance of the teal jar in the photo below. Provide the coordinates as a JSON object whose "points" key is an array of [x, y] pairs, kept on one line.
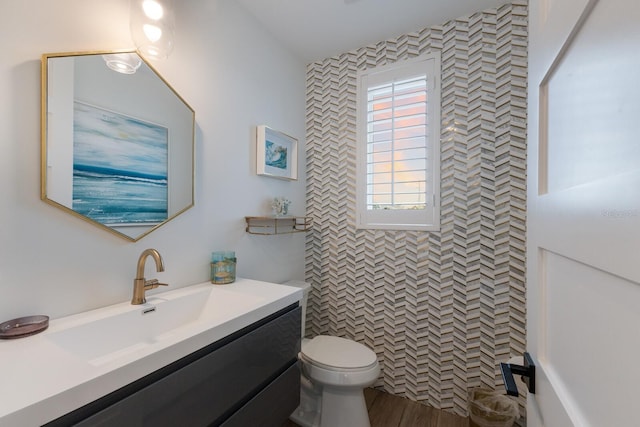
{"points": [[223, 267]]}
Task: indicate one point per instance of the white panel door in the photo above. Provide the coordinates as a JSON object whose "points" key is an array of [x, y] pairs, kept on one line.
{"points": [[583, 224]]}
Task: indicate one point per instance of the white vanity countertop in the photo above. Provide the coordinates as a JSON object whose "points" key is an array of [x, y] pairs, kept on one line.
{"points": [[83, 357]]}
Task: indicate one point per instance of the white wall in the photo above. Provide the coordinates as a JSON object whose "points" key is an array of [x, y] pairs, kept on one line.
{"points": [[230, 71]]}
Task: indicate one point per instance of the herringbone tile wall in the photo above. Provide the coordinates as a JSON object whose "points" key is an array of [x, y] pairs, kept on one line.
{"points": [[440, 309]]}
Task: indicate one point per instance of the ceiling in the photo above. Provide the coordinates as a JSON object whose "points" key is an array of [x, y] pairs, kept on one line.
{"points": [[318, 29]]}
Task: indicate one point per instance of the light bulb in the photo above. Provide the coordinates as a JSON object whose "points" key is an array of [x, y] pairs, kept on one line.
{"points": [[152, 32], [153, 52], [152, 24], [152, 9]]}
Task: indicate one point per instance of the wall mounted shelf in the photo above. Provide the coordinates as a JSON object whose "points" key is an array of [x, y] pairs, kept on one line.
{"points": [[268, 225]]}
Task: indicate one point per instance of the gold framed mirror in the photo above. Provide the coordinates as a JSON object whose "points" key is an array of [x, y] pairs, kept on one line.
{"points": [[118, 142]]}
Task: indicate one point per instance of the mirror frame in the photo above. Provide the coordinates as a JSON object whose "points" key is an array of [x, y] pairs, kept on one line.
{"points": [[44, 146]]}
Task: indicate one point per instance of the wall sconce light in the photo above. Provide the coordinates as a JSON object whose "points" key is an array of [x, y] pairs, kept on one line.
{"points": [[152, 24], [125, 63]]}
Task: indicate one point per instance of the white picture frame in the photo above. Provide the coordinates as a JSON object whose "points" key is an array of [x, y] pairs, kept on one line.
{"points": [[276, 154]]}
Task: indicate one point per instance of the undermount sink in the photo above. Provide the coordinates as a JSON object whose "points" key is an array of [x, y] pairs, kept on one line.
{"points": [[110, 333]]}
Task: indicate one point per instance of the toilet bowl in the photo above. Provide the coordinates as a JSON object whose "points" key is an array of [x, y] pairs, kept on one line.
{"points": [[334, 373]]}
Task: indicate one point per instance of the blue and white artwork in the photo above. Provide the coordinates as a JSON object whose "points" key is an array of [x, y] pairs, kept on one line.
{"points": [[275, 155], [120, 167]]}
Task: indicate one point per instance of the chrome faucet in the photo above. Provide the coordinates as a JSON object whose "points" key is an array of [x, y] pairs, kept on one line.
{"points": [[140, 285]]}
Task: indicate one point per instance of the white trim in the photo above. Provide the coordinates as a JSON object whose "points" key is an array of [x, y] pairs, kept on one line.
{"points": [[427, 219]]}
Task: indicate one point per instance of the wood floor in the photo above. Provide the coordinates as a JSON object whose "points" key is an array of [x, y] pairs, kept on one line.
{"points": [[386, 410]]}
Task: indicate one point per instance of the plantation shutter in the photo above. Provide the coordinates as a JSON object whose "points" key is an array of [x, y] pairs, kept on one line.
{"points": [[398, 146]]}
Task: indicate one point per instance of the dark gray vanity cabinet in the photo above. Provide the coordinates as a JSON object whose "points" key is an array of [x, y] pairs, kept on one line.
{"points": [[250, 378]]}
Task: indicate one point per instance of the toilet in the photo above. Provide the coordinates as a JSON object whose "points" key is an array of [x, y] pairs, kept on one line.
{"points": [[335, 372]]}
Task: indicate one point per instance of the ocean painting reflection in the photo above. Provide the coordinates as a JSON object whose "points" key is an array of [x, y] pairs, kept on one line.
{"points": [[119, 167]]}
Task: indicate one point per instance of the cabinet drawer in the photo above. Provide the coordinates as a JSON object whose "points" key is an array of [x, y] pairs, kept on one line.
{"points": [[272, 405], [214, 386]]}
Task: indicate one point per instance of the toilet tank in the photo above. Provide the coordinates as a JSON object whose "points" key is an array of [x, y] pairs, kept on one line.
{"points": [[306, 287]]}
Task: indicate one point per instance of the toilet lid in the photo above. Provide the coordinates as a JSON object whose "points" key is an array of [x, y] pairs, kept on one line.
{"points": [[338, 352]]}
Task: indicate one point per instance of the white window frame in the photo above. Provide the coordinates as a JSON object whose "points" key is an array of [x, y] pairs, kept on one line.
{"points": [[396, 219]]}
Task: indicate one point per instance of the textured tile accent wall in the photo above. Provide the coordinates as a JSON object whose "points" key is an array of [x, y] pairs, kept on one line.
{"points": [[440, 309]]}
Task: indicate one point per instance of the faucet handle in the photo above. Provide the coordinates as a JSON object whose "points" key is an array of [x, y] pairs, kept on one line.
{"points": [[152, 284]]}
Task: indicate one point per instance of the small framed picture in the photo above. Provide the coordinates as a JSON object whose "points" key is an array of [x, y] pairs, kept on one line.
{"points": [[276, 154]]}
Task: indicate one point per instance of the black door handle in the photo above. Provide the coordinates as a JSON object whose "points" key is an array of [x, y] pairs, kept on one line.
{"points": [[528, 372]]}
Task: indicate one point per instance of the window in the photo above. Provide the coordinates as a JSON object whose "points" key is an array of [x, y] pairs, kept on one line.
{"points": [[398, 169]]}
